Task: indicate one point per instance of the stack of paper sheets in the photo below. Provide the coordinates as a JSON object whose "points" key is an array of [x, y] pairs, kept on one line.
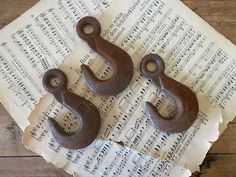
{"points": [[195, 54]]}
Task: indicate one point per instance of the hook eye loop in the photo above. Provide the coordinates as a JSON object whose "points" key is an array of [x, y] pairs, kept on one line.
{"points": [[88, 22], [60, 80], [157, 66]]}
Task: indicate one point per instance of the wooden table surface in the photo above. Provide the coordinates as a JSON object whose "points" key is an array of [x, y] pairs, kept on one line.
{"points": [[16, 161]]}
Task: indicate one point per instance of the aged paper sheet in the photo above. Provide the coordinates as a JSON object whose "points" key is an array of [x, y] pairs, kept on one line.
{"points": [[195, 54], [169, 153], [40, 39]]}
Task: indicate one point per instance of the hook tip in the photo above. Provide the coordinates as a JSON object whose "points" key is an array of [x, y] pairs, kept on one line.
{"points": [[150, 107], [54, 125], [84, 68], [50, 121]]}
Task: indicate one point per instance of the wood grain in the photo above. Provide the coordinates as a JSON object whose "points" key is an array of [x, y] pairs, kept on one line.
{"points": [[220, 14], [29, 167], [16, 161]]}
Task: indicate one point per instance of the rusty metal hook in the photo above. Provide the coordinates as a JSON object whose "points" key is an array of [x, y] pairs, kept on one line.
{"points": [[184, 98], [120, 60], [85, 111]]}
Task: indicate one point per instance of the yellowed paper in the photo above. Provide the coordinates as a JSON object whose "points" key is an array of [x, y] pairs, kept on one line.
{"points": [[194, 53], [37, 41], [168, 152]]}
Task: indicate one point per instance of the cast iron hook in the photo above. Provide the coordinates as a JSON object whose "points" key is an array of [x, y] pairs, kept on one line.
{"points": [[85, 111], [185, 99], [121, 62]]}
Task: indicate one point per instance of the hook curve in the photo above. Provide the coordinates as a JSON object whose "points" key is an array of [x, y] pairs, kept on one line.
{"points": [[185, 99], [120, 60], [84, 110]]}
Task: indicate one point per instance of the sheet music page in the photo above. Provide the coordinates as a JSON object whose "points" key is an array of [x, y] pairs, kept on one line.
{"points": [[38, 40], [151, 153], [195, 54], [127, 145]]}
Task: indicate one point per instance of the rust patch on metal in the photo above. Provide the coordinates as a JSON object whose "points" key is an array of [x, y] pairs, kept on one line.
{"points": [[184, 98], [84, 110], [120, 60]]}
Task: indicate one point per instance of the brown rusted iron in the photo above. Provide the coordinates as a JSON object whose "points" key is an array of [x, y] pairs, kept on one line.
{"points": [[85, 111], [121, 62], [185, 99]]}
